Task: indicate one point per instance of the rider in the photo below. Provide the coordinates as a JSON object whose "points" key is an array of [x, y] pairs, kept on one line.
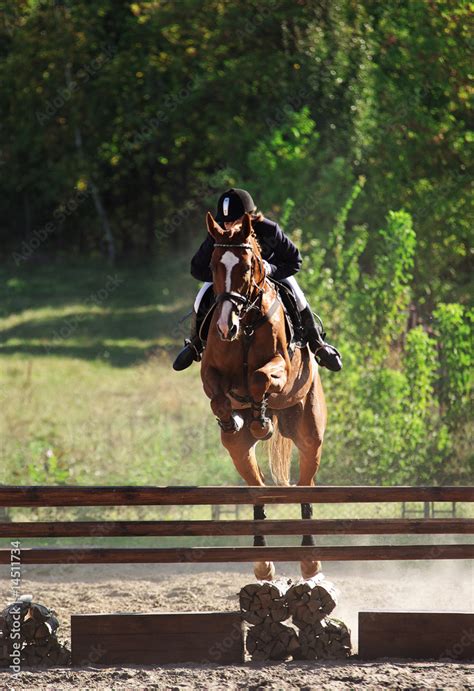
{"points": [[281, 258]]}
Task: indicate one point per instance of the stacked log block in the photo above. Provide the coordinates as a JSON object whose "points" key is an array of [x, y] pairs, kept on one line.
{"points": [[37, 626], [271, 640], [263, 602], [264, 607], [310, 601], [329, 639], [320, 637], [311, 635]]}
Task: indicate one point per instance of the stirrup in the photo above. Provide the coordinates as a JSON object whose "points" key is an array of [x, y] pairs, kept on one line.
{"points": [[197, 353], [185, 358], [320, 326]]}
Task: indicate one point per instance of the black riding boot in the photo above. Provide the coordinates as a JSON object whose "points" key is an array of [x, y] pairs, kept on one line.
{"points": [[193, 347], [326, 355]]}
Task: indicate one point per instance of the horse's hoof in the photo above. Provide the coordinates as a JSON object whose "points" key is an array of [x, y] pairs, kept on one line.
{"points": [[264, 570], [261, 429], [309, 569]]}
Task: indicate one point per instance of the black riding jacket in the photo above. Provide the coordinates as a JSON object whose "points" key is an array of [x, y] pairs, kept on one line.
{"points": [[277, 249]]}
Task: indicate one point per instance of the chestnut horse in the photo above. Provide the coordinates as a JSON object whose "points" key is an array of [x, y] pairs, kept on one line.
{"points": [[257, 391]]}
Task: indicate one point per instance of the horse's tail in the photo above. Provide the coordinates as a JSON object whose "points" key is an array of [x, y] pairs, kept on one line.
{"points": [[279, 455]]}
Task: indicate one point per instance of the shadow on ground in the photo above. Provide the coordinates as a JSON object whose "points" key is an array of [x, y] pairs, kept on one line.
{"points": [[90, 311]]}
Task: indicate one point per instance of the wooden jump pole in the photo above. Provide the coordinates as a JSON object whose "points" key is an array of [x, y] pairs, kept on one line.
{"points": [[385, 526], [41, 496], [165, 555]]}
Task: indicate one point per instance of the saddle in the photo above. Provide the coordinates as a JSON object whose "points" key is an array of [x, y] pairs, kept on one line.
{"points": [[293, 325]]}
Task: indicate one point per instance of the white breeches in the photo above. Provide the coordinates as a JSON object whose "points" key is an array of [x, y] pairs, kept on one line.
{"points": [[301, 301], [200, 295]]}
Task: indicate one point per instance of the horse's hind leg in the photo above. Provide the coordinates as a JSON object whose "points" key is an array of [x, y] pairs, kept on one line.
{"points": [[304, 433], [307, 513], [269, 378], [308, 460], [241, 447], [308, 437], [259, 515]]}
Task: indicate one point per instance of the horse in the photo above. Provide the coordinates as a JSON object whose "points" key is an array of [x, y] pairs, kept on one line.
{"points": [[256, 390]]}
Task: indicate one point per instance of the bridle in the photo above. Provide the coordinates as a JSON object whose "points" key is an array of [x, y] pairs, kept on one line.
{"points": [[243, 303]]}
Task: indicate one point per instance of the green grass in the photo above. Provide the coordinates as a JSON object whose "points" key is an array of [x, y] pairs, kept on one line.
{"points": [[86, 386], [87, 391], [93, 312]]}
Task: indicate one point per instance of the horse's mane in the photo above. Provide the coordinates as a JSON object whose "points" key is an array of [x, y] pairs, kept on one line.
{"points": [[255, 239]]}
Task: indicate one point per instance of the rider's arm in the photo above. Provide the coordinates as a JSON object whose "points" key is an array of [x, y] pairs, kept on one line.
{"points": [[200, 263], [286, 259]]}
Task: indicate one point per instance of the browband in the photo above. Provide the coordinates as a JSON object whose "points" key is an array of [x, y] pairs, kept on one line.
{"points": [[243, 245]]}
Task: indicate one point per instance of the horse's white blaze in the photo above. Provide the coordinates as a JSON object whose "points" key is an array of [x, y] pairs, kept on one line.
{"points": [[229, 259]]}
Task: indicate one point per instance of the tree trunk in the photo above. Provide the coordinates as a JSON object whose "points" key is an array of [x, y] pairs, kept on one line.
{"points": [[108, 236], [151, 219], [96, 196]]}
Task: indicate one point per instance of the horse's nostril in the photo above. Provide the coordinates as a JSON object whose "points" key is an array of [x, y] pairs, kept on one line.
{"points": [[233, 331]]}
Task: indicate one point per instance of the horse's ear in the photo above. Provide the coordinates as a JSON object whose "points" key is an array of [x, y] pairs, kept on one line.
{"points": [[213, 227], [246, 227]]}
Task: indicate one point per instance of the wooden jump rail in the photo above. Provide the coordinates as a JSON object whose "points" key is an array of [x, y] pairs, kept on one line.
{"points": [[76, 496], [11, 496], [341, 526]]}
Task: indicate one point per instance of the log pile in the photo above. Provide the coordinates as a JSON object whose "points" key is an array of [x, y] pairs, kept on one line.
{"points": [[271, 641], [311, 635], [329, 639], [310, 601], [264, 601], [37, 626]]}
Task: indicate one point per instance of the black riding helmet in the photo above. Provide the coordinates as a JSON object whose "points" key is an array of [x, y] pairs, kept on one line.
{"points": [[233, 204]]}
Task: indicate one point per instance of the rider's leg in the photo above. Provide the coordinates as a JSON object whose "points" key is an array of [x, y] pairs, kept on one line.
{"points": [[193, 346], [326, 355]]}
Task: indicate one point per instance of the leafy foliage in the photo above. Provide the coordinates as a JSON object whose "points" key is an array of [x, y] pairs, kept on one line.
{"points": [[400, 412], [122, 122]]}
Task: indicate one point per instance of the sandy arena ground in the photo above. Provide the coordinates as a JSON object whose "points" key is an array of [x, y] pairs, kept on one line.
{"points": [[148, 588]]}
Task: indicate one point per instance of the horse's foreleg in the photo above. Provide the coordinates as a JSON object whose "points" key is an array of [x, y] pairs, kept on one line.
{"points": [[271, 378], [241, 447], [220, 404]]}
